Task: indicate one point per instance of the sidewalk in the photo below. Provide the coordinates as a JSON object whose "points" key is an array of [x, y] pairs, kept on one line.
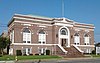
{"points": [[52, 60], [7, 61], [46, 60]]}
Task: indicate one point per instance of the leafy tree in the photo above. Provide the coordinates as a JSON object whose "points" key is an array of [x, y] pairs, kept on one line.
{"points": [[97, 44], [4, 42]]}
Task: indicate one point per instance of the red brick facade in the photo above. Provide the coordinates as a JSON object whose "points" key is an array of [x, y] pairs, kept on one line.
{"points": [[54, 41]]}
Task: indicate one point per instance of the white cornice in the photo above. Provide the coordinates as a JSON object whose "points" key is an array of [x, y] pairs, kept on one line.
{"points": [[57, 21], [84, 26], [34, 16], [62, 24], [33, 23], [33, 20]]}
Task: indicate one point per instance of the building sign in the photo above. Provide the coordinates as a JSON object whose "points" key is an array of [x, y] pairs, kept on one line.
{"points": [[97, 50]]}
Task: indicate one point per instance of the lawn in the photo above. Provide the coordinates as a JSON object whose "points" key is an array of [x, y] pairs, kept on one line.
{"points": [[8, 57], [94, 55]]}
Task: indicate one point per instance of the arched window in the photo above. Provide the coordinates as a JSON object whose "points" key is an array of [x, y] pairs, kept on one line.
{"points": [[63, 31], [86, 39], [76, 39], [26, 35], [42, 37], [41, 32], [26, 30]]}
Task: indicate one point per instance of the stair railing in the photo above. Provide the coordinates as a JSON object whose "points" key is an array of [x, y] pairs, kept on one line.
{"points": [[62, 49], [78, 48]]}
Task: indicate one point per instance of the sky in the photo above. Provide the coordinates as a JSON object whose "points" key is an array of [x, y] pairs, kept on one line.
{"points": [[83, 11]]}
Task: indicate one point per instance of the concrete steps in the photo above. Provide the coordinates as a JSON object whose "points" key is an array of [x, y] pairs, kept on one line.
{"points": [[73, 52]]}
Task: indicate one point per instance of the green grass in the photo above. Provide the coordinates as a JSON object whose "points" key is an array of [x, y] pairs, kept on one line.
{"points": [[37, 57], [94, 55], [8, 57]]}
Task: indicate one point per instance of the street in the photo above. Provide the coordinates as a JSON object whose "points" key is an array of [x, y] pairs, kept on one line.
{"points": [[82, 61], [65, 61], [88, 60]]}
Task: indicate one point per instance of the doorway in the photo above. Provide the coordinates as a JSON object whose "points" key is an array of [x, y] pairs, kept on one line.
{"points": [[63, 42]]}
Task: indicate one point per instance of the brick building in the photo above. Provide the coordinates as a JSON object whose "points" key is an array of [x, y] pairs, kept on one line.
{"points": [[36, 34]]}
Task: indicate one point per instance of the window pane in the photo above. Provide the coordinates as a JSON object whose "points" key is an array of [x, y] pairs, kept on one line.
{"points": [[26, 30], [41, 32], [76, 34], [27, 37], [63, 31], [77, 40], [24, 51], [28, 51], [24, 41], [28, 41], [42, 37], [87, 40]]}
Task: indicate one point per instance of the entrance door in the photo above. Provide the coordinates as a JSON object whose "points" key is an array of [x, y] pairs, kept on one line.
{"points": [[63, 42]]}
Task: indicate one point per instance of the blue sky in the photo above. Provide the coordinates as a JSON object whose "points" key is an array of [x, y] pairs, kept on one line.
{"points": [[84, 11]]}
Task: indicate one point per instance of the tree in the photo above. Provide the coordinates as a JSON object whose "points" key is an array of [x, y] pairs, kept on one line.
{"points": [[97, 44], [4, 42]]}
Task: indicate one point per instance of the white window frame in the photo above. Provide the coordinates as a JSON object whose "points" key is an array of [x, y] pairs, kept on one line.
{"points": [[42, 38], [88, 50], [42, 51], [63, 29], [12, 36], [26, 37], [27, 51], [77, 40], [87, 40], [11, 51]]}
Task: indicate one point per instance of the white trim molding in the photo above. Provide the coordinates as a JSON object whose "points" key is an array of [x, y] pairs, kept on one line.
{"points": [[32, 44], [62, 24], [78, 48], [23, 22], [86, 45], [67, 37], [62, 49]]}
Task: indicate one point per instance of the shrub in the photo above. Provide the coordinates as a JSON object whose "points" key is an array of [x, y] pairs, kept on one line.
{"points": [[36, 54], [47, 52], [42, 54], [0, 55], [30, 54], [18, 52], [24, 55]]}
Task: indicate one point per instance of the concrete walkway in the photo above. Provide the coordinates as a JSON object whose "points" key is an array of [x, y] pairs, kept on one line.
{"points": [[7, 61]]}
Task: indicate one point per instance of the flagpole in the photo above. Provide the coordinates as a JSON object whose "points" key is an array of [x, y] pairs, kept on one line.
{"points": [[62, 8]]}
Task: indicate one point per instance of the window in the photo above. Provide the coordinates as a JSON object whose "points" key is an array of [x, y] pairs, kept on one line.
{"points": [[76, 39], [86, 39], [11, 51], [42, 37], [12, 36], [26, 36], [87, 50], [63, 31], [27, 51], [42, 51], [24, 51]]}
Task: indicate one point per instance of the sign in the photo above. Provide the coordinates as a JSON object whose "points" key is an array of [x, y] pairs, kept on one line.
{"points": [[97, 50]]}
